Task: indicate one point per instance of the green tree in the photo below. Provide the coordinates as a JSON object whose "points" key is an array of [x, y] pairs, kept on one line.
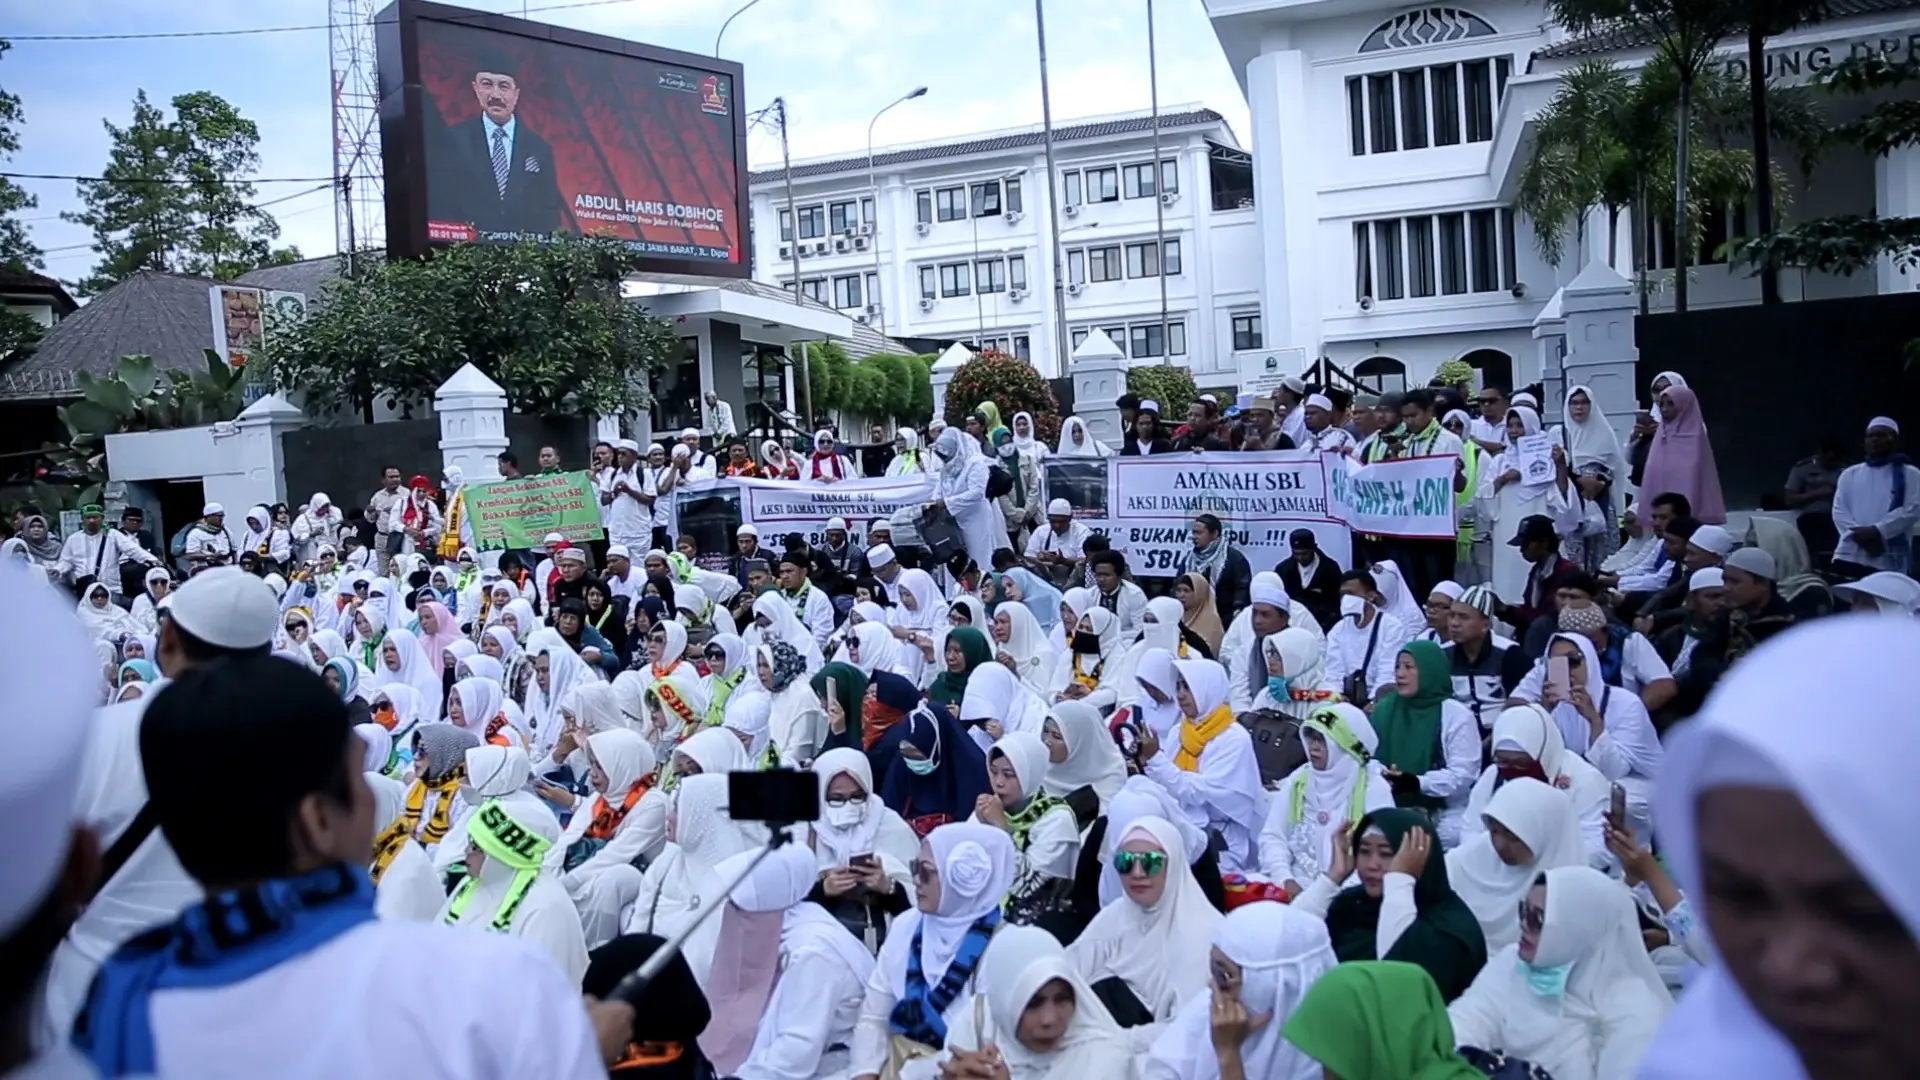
{"points": [[1765, 19], [546, 322], [18, 252], [175, 195]]}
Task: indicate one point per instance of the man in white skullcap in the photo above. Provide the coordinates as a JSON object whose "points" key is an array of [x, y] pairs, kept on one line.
{"points": [[627, 500], [848, 559], [1238, 646], [272, 972], [208, 542], [47, 665], [1286, 401], [658, 478], [880, 532], [1059, 548], [746, 549], [885, 567], [1876, 505], [1323, 434], [698, 460], [216, 615]]}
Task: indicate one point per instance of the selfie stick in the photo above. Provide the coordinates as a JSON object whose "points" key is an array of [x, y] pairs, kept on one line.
{"points": [[630, 988]]}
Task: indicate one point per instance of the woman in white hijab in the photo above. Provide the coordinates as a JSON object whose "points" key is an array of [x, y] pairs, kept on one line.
{"points": [[508, 890], [919, 623], [588, 709], [405, 886], [1296, 682], [1577, 994], [1814, 903], [1526, 742], [962, 489], [1339, 784], [520, 620], [1512, 500], [624, 826], [1599, 466], [1265, 957], [1209, 764], [783, 979], [700, 836], [797, 721], [910, 458], [1154, 705], [1045, 832], [714, 751], [774, 620], [750, 720], [1396, 599], [859, 840], [557, 669], [1081, 756], [479, 705], [1145, 953], [103, 619], [996, 705], [1021, 645], [871, 648], [402, 660], [1159, 629], [1077, 442], [1041, 1021], [964, 872], [1530, 829], [1096, 665], [145, 615], [1073, 604], [1625, 748]]}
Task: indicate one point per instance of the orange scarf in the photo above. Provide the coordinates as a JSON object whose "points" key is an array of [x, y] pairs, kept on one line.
{"points": [[494, 727], [606, 819], [1194, 737]]}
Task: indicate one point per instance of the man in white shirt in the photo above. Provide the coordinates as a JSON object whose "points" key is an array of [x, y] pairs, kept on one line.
{"points": [[208, 542], [1060, 544], [1489, 429], [218, 614], [811, 604], [1287, 401], [698, 460], [1365, 641], [627, 500], [383, 510], [1114, 592], [619, 577], [1876, 505], [602, 470], [657, 479], [720, 419], [316, 526], [271, 974], [96, 552], [1320, 432], [53, 861]]}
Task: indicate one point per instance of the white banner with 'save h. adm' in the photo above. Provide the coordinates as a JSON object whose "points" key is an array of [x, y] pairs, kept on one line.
{"points": [[1144, 505]]}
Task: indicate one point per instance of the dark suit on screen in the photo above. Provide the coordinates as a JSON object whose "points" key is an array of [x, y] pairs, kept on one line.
{"points": [[531, 202]]}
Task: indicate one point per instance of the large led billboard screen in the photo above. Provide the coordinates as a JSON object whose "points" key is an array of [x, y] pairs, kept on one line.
{"points": [[496, 129]]}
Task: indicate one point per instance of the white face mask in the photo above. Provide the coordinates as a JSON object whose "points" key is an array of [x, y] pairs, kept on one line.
{"points": [[847, 816], [1352, 607]]}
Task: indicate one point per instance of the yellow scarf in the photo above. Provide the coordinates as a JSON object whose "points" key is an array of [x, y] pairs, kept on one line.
{"points": [[1195, 737], [449, 546], [387, 845], [1088, 679], [437, 824]]}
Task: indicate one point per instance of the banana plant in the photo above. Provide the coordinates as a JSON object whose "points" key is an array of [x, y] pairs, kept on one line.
{"points": [[137, 396]]}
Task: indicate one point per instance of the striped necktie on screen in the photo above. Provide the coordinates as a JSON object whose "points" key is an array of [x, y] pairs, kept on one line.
{"points": [[500, 160]]}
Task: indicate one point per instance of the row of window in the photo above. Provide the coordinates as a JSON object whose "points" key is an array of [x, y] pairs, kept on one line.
{"points": [[848, 291], [990, 198], [828, 219], [966, 278], [1018, 346], [1141, 340], [1111, 183], [1434, 255], [1116, 261], [1429, 106]]}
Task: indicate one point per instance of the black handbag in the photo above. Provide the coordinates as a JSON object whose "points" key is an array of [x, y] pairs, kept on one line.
{"points": [[1356, 689], [1276, 743], [941, 536]]}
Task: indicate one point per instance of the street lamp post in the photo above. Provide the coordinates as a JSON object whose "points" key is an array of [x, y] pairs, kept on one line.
{"points": [[874, 190], [1053, 193], [1159, 189], [739, 11]]}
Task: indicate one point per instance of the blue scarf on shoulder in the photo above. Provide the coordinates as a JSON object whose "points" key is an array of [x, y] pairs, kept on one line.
{"points": [[229, 937], [1900, 547], [920, 1014]]}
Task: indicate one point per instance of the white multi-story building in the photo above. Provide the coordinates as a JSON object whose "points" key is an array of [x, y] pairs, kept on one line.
{"points": [[951, 240], [1388, 140]]}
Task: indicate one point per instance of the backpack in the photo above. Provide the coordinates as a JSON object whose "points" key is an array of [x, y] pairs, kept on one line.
{"points": [[1276, 743], [999, 482]]}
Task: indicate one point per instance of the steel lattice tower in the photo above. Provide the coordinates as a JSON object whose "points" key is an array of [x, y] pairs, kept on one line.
{"points": [[359, 217]]}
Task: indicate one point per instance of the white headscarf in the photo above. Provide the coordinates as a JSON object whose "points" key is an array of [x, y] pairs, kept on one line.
{"points": [[1281, 952], [880, 831], [1017, 964], [703, 834], [717, 752], [1593, 442], [1395, 598], [1027, 644], [956, 448], [752, 717], [878, 650], [1088, 447], [624, 757], [976, 865], [1155, 669], [565, 670], [926, 615], [1753, 732], [104, 624], [1092, 758], [494, 771], [1543, 819], [994, 694], [416, 669], [1161, 952], [1164, 631], [480, 701], [1331, 789], [782, 625]]}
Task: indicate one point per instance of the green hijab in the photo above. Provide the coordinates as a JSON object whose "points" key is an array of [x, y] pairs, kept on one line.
{"points": [[1445, 937], [849, 686], [994, 441], [948, 687], [1377, 1020], [991, 411], [1409, 727]]}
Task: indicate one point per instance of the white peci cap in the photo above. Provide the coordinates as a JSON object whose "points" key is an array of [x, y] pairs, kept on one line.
{"points": [[689, 433], [226, 607], [837, 523], [879, 555], [1059, 508], [1712, 538], [1707, 577], [211, 509], [618, 551]]}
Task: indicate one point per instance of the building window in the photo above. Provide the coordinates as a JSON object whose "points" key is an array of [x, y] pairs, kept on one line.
{"points": [[986, 199], [1142, 261], [815, 288], [840, 216], [1141, 340], [1440, 254], [1170, 176], [1022, 348], [991, 274], [1077, 266], [923, 206], [1441, 105], [1070, 188], [928, 283], [813, 222], [950, 204], [1017, 271], [1013, 195], [1103, 185], [873, 287], [1426, 26], [1103, 264], [1136, 181], [1246, 333], [1077, 339], [846, 292], [786, 226], [954, 280], [1171, 259], [866, 211]]}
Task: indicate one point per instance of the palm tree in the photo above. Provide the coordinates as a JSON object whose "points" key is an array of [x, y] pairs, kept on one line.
{"points": [[1765, 19]]}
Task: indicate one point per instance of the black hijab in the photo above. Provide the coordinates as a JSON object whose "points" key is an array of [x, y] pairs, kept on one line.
{"points": [[1445, 937], [669, 1012]]}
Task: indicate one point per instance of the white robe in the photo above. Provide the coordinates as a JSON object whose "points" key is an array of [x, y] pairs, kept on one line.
{"points": [[1863, 496], [1223, 793], [807, 1026], [410, 890]]}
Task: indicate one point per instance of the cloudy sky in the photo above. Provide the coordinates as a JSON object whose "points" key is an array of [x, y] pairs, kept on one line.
{"points": [[835, 61]]}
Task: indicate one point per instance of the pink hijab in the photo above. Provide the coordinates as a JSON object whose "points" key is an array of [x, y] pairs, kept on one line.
{"points": [[446, 632], [1681, 459]]}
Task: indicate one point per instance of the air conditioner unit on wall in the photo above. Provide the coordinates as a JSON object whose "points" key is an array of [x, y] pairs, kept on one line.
{"points": [[866, 229], [1013, 217], [1168, 198], [1016, 295], [926, 303], [839, 245], [859, 243], [821, 248], [1075, 288], [1071, 210], [921, 227], [785, 252], [873, 309], [847, 232]]}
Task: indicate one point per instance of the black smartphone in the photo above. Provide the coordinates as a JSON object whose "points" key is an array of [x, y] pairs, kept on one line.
{"points": [[861, 860], [777, 795], [1617, 808]]}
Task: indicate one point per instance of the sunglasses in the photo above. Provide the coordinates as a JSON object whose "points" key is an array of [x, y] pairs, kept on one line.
{"points": [[383, 706], [1149, 862], [1532, 919], [924, 872], [714, 656]]}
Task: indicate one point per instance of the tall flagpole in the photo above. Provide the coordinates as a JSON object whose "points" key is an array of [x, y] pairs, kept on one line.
{"points": [[1053, 196], [1159, 190]]}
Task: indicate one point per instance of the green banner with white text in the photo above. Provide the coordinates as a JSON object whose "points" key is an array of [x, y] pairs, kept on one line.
{"points": [[519, 513]]}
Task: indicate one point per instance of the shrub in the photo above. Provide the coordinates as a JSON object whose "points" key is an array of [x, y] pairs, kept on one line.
{"points": [[1457, 373], [1011, 384], [830, 376], [1172, 387]]}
